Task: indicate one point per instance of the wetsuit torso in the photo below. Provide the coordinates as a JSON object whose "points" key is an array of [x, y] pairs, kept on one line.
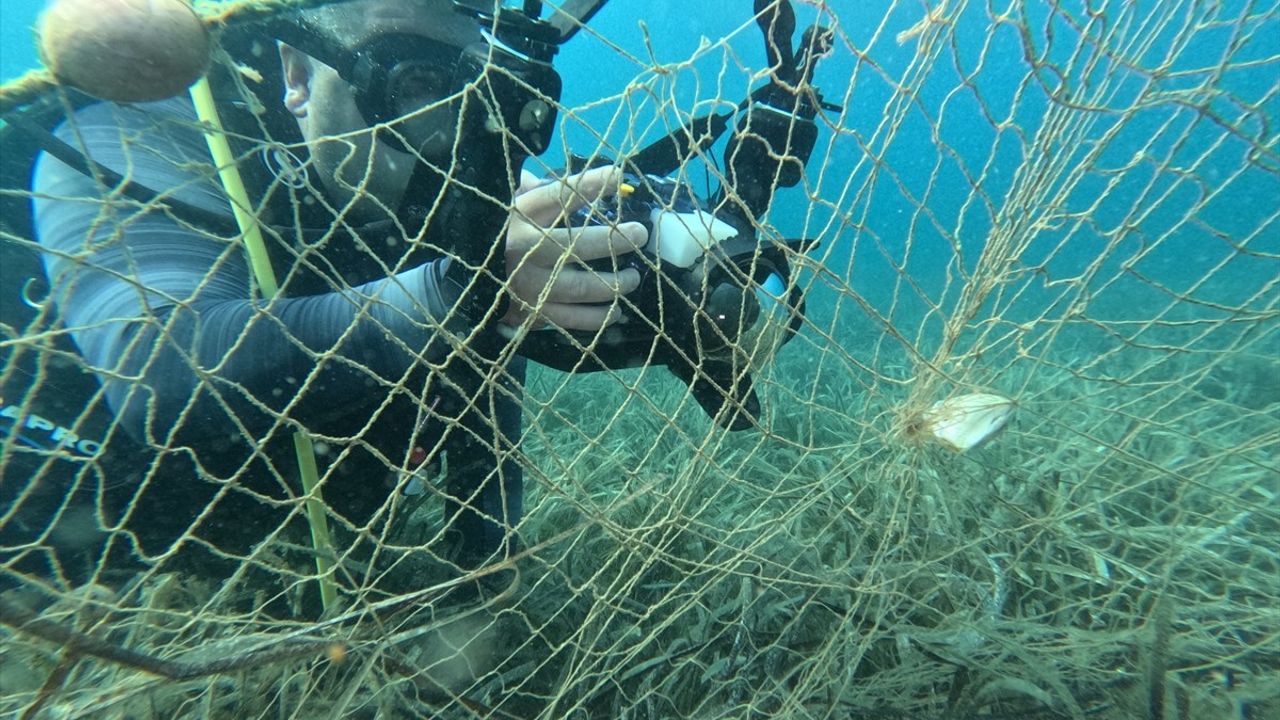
{"points": [[209, 382]]}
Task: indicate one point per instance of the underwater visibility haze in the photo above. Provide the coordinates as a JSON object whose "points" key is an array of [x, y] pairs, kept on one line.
{"points": [[949, 386]]}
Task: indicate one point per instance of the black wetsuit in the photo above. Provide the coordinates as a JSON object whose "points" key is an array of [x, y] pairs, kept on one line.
{"points": [[209, 383]]}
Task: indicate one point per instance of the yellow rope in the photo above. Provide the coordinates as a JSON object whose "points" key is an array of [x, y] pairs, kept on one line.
{"points": [[229, 174]]}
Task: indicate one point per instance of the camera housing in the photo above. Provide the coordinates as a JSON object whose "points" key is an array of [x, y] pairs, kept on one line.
{"points": [[714, 303]]}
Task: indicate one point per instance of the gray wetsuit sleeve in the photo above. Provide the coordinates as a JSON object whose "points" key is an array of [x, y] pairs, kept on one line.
{"points": [[162, 310]]}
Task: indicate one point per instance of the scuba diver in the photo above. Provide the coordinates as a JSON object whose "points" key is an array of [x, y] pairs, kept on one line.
{"points": [[421, 267]]}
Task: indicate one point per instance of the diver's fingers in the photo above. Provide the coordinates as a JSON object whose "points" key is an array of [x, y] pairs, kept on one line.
{"points": [[552, 202], [579, 317], [573, 285], [589, 243], [528, 181]]}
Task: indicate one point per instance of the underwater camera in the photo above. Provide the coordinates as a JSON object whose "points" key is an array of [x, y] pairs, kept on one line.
{"points": [[714, 302]]}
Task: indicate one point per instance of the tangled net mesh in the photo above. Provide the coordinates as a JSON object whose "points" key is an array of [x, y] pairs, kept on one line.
{"points": [[1069, 204]]}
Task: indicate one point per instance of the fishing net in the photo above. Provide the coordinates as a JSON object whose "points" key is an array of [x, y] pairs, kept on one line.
{"points": [[1071, 206]]}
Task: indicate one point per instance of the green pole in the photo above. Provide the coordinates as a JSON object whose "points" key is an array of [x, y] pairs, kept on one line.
{"points": [[259, 261]]}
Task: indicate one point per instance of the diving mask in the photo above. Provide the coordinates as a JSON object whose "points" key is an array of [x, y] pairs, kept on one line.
{"points": [[397, 77]]}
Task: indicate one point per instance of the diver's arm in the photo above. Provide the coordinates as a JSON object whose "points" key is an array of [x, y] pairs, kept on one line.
{"points": [[162, 312]]}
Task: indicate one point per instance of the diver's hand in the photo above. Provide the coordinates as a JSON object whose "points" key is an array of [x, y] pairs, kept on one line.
{"points": [[545, 281]]}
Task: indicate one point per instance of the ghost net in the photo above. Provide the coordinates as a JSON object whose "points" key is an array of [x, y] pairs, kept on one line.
{"points": [[1071, 206]]}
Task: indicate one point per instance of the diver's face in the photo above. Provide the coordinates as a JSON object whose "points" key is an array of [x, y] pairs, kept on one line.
{"points": [[360, 174], [405, 41]]}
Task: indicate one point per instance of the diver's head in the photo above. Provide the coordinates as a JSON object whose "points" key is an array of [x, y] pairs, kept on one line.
{"points": [[377, 99]]}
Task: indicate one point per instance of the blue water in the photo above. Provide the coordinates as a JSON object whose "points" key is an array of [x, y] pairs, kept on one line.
{"points": [[17, 40]]}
